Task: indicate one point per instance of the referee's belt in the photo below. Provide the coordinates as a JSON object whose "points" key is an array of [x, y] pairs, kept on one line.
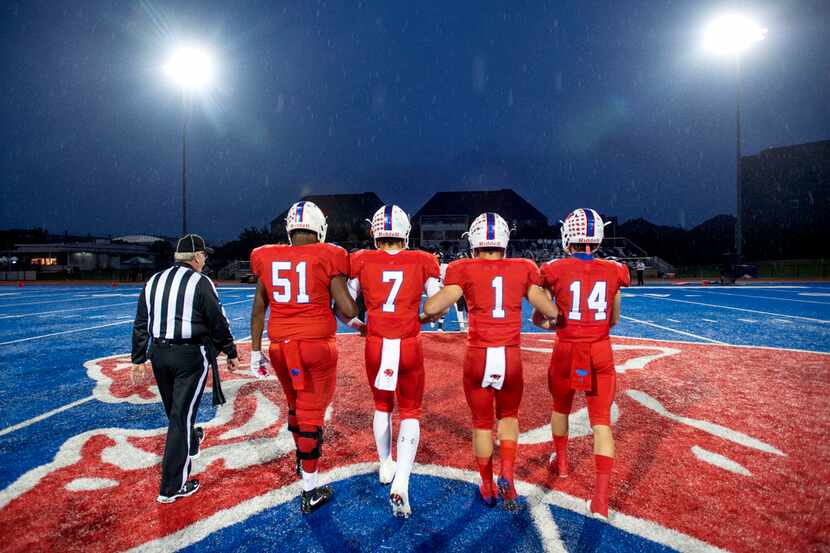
{"points": [[178, 341]]}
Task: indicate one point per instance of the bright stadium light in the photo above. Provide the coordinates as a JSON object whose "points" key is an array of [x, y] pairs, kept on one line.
{"points": [[732, 34], [190, 67]]}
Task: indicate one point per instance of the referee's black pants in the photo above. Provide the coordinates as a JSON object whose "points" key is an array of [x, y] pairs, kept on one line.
{"points": [[181, 372]]}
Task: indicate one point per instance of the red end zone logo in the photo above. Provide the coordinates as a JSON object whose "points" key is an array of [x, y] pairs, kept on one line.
{"points": [[710, 454]]}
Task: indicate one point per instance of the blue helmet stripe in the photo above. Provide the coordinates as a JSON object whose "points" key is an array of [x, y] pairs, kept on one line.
{"points": [[491, 226], [300, 206], [387, 218], [590, 216]]}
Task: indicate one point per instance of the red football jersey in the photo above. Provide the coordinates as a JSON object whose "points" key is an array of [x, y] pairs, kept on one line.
{"points": [[392, 285], [584, 289], [494, 290], [298, 280]]}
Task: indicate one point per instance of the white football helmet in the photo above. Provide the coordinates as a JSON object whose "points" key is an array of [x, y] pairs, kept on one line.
{"points": [[306, 216], [582, 226], [390, 221], [489, 230]]}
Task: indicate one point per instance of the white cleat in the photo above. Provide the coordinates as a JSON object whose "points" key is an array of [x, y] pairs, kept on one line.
{"points": [[386, 472], [399, 501]]}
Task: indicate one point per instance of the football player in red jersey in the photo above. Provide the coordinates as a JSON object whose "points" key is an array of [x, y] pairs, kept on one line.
{"points": [[587, 292], [392, 279], [298, 282], [494, 288]]}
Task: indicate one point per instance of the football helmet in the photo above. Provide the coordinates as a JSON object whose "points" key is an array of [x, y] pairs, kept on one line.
{"points": [[489, 230], [306, 216], [390, 221], [582, 226]]}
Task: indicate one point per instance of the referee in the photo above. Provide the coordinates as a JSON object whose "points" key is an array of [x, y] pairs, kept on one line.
{"points": [[180, 309]]}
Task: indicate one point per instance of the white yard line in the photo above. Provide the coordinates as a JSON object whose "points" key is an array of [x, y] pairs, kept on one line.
{"points": [[66, 310], [74, 330], [767, 297], [661, 327], [809, 319], [45, 302], [46, 415]]}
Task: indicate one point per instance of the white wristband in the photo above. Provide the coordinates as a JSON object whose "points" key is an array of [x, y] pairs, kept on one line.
{"points": [[355, 323], [256, 358]]}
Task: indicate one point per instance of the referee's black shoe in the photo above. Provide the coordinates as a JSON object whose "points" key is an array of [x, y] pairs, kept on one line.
{"points": [[316, 498], [200, 437], [190, 487]]}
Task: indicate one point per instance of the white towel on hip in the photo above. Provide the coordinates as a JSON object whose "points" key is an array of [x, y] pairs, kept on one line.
{"points": [[390, 360], [494, 368]]}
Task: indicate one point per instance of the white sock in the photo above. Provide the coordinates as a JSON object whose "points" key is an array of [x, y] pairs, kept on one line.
{"points": [[382, 427], [408, 438], [309, 480]]}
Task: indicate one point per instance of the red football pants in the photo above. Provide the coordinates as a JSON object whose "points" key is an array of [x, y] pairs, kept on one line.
{"points": [[603, 380], [410, 390], [480, 399], [319, 358]]}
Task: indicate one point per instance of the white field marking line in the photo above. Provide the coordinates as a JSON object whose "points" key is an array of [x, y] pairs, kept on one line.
{"points": [[771, 348], [747, 320], [712, 428], [10, 294], [66, 310], [236, 302], [809, 319], [673, 320], [701, 287], [709, 320], [45, 302], [661, 327], [719, 461], [538, 501], [663, 340], [817, 294], [64, 332], [46, 415], [785, 321], [768, 297]]}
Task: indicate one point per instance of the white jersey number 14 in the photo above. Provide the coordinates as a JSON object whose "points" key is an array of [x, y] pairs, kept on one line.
{"points": [[597, 301]]}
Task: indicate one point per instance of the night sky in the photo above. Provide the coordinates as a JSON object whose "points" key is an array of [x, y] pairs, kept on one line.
{"points": [[610, 105]]}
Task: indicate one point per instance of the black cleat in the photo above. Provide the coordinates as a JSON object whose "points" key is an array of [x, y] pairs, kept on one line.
{"points": [[190, 487], [316, 498], [200, 437], [508, 494]]}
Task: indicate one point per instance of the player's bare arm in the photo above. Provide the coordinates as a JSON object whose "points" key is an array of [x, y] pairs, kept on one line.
{"points": [[541, 302], [538, 317], [342, 299], [258, 311], [615, 312], [440, 303]]}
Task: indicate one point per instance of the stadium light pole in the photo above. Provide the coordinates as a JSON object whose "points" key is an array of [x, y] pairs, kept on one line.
{"points": [[732, 35], [191, 69]]}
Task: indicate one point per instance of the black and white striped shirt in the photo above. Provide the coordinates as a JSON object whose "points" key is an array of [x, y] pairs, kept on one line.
{"points": [[180, 304]]}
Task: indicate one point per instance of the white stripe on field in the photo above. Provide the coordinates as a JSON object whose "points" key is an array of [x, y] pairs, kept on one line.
{"points": [[46, 415], [63, 332], [821, 321], [661, 327], [767, 297], [719, 461], [65, 310]]}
